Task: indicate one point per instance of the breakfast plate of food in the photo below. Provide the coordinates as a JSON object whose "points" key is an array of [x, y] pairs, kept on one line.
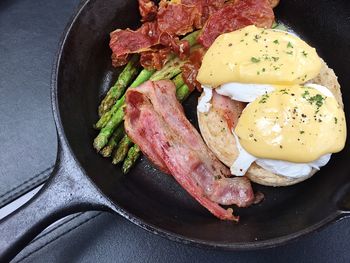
{"points": [[222, 123]]}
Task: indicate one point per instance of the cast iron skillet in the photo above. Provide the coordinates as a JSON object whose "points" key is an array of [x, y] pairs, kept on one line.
{"points": [[82, 180]]}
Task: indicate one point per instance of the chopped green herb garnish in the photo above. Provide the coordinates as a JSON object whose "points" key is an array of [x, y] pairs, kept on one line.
{"points": [[318, 99], [255, 60], [264, 98], [305, 94], [275, 58], [304, 53], [301, 132], [289, 52], [289, 45], [276, 41], [284, 91], [335, 120]]}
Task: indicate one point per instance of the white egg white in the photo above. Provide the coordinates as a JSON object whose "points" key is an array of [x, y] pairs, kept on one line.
{"points": [[204, 102], [284, 168], [244, 92], [248, 93]]}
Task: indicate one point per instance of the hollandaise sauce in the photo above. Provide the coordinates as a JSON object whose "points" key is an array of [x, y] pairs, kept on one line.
{"points": [[258, 55], [295, 123]]}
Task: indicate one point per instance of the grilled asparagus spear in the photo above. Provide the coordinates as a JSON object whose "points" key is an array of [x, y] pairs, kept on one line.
{"points": [[118, 89], [113, 141]]}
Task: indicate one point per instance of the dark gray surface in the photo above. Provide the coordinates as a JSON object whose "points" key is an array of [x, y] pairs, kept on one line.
{"points": [[106, 238], [29, 33]]}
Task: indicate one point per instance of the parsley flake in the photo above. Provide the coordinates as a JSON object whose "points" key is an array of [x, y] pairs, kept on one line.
{"points": [[264, 98], [255, 60]]}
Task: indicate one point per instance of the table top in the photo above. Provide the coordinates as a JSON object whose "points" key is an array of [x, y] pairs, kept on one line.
{"points": [[29, 36]]}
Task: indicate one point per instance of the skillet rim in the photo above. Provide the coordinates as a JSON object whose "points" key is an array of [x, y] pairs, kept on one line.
{"points": [[333, 217]]}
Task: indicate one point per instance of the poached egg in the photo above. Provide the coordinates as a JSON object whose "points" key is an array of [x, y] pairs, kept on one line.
{"points": [[289, 126]]}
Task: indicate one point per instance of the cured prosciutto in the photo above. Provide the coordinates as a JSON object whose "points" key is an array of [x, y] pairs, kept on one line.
{"points": [[236, 15], [155, 120], [164, 24]]}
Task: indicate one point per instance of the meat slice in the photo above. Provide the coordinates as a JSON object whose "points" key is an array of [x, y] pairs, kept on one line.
{"points": [[148, 10], [229, 109], [236, 15], [155, 120]]}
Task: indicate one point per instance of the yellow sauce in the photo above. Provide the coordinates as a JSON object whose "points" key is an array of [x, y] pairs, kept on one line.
{"points": [[294, 123], [257, 55]]}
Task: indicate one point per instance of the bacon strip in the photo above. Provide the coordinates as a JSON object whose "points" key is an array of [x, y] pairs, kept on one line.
{"points": [[229, 109], [234, 16], [156, 122]]}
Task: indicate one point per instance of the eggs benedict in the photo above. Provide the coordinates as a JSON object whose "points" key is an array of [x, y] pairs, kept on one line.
{"points": [[294, 119]]}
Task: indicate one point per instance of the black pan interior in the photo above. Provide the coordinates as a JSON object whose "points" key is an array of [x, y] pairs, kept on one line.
{"points": [[84, 75]]}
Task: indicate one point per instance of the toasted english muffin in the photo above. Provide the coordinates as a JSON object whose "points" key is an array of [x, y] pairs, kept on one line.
{"points": [[220, 140]]}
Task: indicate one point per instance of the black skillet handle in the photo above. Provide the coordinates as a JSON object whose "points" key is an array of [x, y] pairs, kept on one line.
{"points": [[67, 191]]}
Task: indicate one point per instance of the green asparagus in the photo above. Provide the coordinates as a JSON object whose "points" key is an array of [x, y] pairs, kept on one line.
{"points": [[105, 118], [130, 160], [182, 93], [113, 141], [118, 89], [141, 78], [178, 81], [122, 150], [192, 37], [115, 116], [171, 69], [102, 138], [144, 75]]}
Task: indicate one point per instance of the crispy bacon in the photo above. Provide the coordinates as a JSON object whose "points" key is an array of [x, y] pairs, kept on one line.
{"points": [[128, 41], [206, 8], [234, 16], [164, 24], [177, 19], [172, 20], [190, 69], [119, 61], [155, 120], [148, 10], [155, 58]]}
